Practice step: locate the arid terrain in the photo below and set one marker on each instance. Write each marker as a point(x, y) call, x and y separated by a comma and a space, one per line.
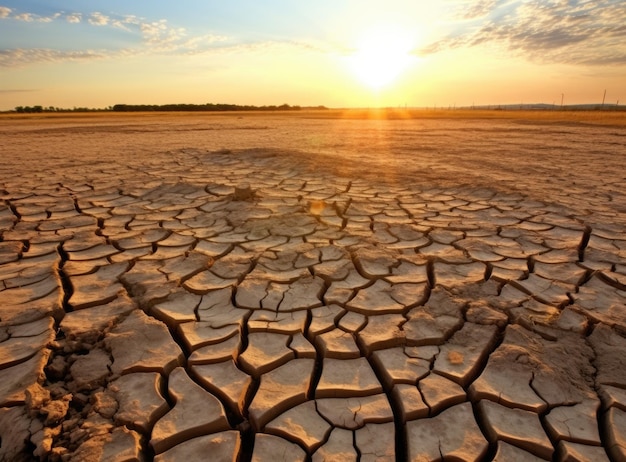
point(323, 286)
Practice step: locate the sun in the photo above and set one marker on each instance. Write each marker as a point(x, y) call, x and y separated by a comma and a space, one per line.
point(381, 56)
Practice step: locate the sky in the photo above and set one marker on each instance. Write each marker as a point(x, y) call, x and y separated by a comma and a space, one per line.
point(337, 53)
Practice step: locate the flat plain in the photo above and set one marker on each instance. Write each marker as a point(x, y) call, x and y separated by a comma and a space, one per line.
point(324, 285)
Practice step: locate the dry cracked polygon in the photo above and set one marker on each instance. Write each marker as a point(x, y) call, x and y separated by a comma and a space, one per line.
point(221, 446)
point(140, 400)
point(146, 283)
point(183, 267)
point(278, 322)
point(280, 390)
point(15, 429)
point(452, 275)
point(140, 239)
point(610, 351)
point(265, 351)
point(338, 446)
point(217, 352)
point(376, 299)
point(444, 253)
point(461, 357)
point(10, 251)
point(225, 380)
point(509, 269)
point(434, 322)
point(21, 342)
point(88, 325)
point(199, 334)
point(196, 412)
point(602, 302)
point(378, 332)
point(323, 319)
point(479, 250)
point(338, 344)
point(301, 424)
point(180, 306)
point(97, 288)
point(353, 322)
point(548, 291)
point(31, 310)
point(31, 292)
point(562, 238)
point(271, 448)
point(529, 372)
point(400, 365)
point(518, 427)
point(454, 433)
point(507, 452)
point(142, 344)
point(578, 423)
point(345, 378)
point(16, 379)
point(341, 291)
point(302, 294)
point(373, 262)
point(92, 253)
point(440, 393)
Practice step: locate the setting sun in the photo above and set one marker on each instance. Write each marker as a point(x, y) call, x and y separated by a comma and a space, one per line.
point(380, 57)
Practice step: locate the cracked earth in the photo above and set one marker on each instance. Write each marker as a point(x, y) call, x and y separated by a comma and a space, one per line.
point(265, 305)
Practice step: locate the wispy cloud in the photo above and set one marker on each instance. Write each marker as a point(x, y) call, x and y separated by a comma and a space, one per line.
point(98, 19)
point(20, 57)
point(17, 90)
point(8, 13)
point(555, 31)
point(154, 37)
point(74, 18)
point(477, 9)
point(26, 17)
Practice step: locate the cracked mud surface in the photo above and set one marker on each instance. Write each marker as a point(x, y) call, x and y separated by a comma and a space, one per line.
point(372, 290)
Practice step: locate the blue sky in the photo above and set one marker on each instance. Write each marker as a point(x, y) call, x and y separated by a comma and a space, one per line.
point(99, 53)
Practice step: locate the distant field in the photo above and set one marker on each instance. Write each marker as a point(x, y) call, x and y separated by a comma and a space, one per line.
point(617, 118)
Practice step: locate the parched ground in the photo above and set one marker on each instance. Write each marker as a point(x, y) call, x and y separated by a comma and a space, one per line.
point(306, 287)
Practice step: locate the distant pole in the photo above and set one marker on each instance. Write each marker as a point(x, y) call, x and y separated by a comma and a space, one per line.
point(603, 98)
point(562, 97)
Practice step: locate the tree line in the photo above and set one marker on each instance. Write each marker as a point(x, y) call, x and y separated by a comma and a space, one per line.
point(39, 109)
point(165, 107)
point(205, 107)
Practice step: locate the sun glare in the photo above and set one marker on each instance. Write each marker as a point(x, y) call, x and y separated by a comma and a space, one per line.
point(380, 57)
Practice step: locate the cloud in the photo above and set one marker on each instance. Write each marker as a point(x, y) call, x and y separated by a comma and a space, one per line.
point(74, 18)
point(554, 31)
point(26, 17)
point(19, 57)
point(98, 19)
point(5, 13)
point(154, 37)
point(478, 9)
